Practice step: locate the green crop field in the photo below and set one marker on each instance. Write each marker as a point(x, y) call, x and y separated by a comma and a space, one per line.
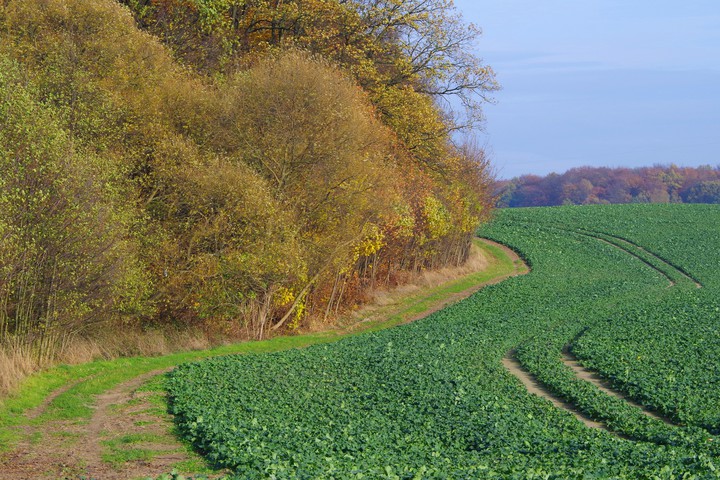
point(631, 291)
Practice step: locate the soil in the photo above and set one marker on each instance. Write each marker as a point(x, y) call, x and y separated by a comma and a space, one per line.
point(70, 450)
point(590, 376)
point(128, 420)
point(520, 269)
point(536, 388)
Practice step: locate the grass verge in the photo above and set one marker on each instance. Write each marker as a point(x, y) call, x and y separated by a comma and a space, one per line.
point(88, 380)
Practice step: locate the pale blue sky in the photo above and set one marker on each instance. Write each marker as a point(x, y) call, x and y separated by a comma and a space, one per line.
point(600, 82)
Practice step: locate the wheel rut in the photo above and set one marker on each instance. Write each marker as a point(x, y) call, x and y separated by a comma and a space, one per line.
point(667, 269)
point(628, 245)
point(671, 273)
point(533, 386)
point(603, 385)
point(125, 422)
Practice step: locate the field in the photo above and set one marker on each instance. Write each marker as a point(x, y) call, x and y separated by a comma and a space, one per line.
point(630, 291)
point(109, 420)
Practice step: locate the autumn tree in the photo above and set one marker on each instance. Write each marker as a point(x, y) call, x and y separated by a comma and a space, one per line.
point(411, 55)
point(658, 184)
point(310, 133)
point(302, 160)
point(704, 192)
point(234, 257)
point(68, 257)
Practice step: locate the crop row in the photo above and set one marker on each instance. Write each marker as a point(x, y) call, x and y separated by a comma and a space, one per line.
point(661, 348)
point(432, 400)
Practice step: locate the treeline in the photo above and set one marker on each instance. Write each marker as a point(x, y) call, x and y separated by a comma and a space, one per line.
point(232, 166)
point(591, 185)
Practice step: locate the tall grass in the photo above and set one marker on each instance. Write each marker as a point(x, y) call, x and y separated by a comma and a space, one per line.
point(18, 360)
point(15, 364)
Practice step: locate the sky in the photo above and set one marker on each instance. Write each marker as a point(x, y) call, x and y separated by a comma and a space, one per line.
point(599, 82)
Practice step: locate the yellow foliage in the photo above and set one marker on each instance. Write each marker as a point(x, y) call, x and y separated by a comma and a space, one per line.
point(437, 218)
point(372, 243)
point(283, 296)
point(232, 195)
point(417, 121)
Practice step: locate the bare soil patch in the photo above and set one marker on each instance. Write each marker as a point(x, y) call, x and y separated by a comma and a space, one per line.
point(126, 421)
point(130, 434)
point(536, 388)
point(588, 375)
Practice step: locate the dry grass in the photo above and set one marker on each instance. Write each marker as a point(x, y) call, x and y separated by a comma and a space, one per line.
point(409, 285)
point(476, 262)
point(15, 364)
point(18, 362)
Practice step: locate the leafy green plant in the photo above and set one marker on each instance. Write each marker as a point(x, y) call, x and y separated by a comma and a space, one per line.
point(431, 398)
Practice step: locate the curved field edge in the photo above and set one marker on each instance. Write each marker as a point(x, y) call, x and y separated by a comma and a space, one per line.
point(67, 392)
point(567, 400)
point(672, 308)
point(433, 396)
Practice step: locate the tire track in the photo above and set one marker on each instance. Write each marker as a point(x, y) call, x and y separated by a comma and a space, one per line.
point(42, 408)
point(627, 246)
point(604, 386)
point(630, 245)
point(533, 386)
point(582, 373)
point(72, 449)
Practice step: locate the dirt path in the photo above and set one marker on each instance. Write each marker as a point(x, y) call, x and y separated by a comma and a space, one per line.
point(520, 268)
point(40, 409)
point(124, 414)
point(536, 388)
point(604, 386)
point(533, 386)
point(130, 434)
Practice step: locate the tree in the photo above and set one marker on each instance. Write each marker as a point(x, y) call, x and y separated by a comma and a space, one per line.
point(390, 47)
point(311, 135)
point(578, 193)
point(240, 260)
point(428, 46)
point(704, 192)
point(659, 184)
point(301, 162)
point(68, 257)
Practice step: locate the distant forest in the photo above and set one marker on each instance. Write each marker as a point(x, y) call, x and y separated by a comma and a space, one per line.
point(592, 185)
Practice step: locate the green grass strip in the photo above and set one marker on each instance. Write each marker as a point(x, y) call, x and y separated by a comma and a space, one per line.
point(96, 377)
